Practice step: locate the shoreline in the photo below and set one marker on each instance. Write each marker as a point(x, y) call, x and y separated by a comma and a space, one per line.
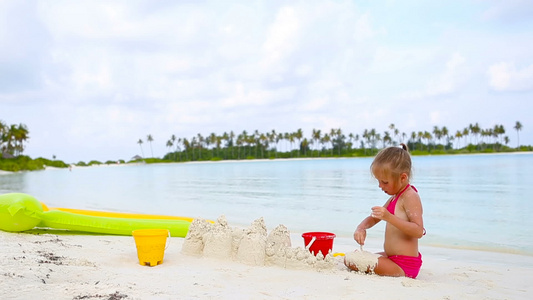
point(327, 158)
point(91, 267)
point(2, 172)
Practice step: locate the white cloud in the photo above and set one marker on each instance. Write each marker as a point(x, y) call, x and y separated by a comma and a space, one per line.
point(448, 81)
point(393, 59)
point(435, 117)
point(282, 36)
point(504, 76)
point(90, 78)
point(509, 10)
point(364, 29)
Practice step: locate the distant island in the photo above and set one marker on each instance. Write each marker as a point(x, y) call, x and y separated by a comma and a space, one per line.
point(272, 145)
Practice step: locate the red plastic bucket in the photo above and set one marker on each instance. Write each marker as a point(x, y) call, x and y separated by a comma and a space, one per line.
point(323, 242)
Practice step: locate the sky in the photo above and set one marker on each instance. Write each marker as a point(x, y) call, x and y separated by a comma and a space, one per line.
point(91, 78)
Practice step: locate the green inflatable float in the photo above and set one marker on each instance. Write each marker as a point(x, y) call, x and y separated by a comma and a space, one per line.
point(21, 212)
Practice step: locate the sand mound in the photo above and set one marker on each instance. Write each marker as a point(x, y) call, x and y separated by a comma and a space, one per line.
point(251, 246)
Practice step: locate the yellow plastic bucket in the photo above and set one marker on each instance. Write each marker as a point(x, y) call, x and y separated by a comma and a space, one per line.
point(151, 245)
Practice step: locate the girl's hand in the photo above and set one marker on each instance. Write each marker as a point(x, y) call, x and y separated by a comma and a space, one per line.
point(380, 212)
point(359, 236)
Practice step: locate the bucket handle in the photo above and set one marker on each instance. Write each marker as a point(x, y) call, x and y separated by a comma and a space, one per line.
point(310, 243)
point(168, 240)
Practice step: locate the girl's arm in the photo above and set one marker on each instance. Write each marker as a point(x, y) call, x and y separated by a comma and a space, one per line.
point(360, 233)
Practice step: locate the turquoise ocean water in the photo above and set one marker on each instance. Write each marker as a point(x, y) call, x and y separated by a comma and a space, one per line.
point(470, 201)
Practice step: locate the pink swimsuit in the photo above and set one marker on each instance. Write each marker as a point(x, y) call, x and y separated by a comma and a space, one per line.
point(410, 264)
point(392, 205)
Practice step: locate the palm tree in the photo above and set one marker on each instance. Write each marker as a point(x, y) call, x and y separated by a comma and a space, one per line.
point(305, 144)
point(291, 140)
point(187, 146)
point(327, 139)
point(270, 139)
point(279, 138)
point(316, 137)
point(200, 143)
point(173, 140)
point(458, 135)
point(242, 139)
point(3, 127)
point(397, 135)
point(475, 130)
point(150, 139)
point(445, 134)
point(466, 133)
point(10, 138)
point(332, 135)
point(350, 139)
point(212, 139)
point(3, 130)
point(286, 137)
point(428, 137)
point(225, 138)
point(377, 138)
point(218, 143)
point(273, 139)
point(178, 148)
point(193, 145)
point(263, 141)
point(499, 131)
point(251, 141)
point(231, 141)
point(437, 133)
point(169, 145)
point(518, 127)
point(140, 142)
point(386, 139)
point(298, 135)
point(392, 127)
point(256, 140)
point(239, 143)
point(374, 138)
point(484, 133)
point(17, 134)
point(340, 139)
point(413, 139)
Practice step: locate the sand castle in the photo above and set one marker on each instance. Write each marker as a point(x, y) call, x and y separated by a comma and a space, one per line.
point(252, 246)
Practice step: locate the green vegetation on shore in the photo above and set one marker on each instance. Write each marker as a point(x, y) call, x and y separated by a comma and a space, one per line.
point(274, 145)
point(335, 143)
point(25, 163)
point(251, 152)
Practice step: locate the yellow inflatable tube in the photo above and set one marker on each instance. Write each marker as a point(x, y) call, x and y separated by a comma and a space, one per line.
point(109, 214)
point(21, 212)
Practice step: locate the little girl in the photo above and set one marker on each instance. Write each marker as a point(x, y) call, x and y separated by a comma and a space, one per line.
point(402, 212)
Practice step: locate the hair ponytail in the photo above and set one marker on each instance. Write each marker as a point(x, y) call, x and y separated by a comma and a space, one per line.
point(404, 147)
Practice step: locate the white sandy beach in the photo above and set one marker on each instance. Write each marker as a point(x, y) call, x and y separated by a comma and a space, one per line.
point(47, 265)
point(53, 265)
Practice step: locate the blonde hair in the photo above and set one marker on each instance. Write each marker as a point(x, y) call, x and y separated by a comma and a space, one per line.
point(393, 161)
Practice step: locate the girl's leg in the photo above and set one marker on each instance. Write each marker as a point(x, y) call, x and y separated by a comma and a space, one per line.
point(387, 267)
